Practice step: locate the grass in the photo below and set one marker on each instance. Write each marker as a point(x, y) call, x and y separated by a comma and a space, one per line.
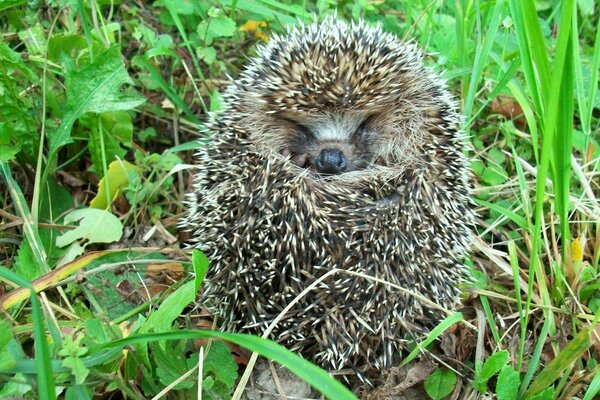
point(100, 103)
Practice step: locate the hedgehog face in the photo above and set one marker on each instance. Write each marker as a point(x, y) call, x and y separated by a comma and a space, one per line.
point(330, 144)
point(338, 100)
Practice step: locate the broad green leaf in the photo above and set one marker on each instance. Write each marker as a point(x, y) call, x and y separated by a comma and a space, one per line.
point(494, 175)
point(220, 363)
point(95, 88)
point(34, 39)
point(95, 226)
point(220, 26)
point(25, 264)
point(207, 54)
point(440, 383)
point(493, 365)
point(172, 362)
point(69, 44)
point(79, 371)
point(507, 386)
point(78, 392)
point(8, 152)
point(8, 55)
point(547, 394)
point(118, 179)
point(16, 388)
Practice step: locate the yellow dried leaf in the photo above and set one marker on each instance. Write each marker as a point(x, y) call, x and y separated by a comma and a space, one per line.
point(576, 250)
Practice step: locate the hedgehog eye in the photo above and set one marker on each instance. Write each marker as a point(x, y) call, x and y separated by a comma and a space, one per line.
point(304, 131)
point(363, 125)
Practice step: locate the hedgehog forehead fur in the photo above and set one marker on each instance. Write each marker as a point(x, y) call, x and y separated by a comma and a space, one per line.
point(396, 205)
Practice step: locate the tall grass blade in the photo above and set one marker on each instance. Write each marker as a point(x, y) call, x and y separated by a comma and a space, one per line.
point(44, 373)
point(310, 373)
point(29, 227)
point(572, 351)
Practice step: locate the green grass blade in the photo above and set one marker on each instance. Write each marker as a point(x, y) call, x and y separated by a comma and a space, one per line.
point(525, 53)
point(571, 352)
point(434, 334)
point(44, 373)
point(534, 361)
point(22, 209)
point(513, 216)
point(310, 373)
point(594, 387)
point(529, 115)
point(482, 56)
point(562, 149)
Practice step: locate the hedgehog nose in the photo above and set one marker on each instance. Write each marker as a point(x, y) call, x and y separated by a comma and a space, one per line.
point(331, 161)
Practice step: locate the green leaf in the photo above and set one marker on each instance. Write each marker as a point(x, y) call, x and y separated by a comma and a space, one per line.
point(207, 54)
point(593, 388)
point(78, 392)
point(69, 44)
point(497, 156)
point(34, 39)
point(25, 264)
point(162, 319)
point(95, 226)
point(507, 386)
point(490, 368)
point(494, 175)
point(220, 363)
point(586, 7)
point(547, 394)
point(8, 153)
point(200, 263)
point(112, 141)
point(95, 88)
point(220, 26)
point(155, 79)
point(43, 366)
point(7, 362)
point(440, 383)
point(171, 364)
point(16, 388)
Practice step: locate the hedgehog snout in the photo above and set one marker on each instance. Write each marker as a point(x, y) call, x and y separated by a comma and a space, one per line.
point(331, 161)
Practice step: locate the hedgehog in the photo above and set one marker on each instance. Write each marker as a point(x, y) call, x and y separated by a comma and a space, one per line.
point(336, 147)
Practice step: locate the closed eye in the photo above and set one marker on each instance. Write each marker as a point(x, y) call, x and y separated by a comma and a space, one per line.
point(362, 128)
point(303, 130)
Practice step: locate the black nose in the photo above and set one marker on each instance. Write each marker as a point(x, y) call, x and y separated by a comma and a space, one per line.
point(331, 161)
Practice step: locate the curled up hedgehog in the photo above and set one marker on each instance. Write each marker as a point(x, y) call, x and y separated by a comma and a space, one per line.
point(335, 148)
